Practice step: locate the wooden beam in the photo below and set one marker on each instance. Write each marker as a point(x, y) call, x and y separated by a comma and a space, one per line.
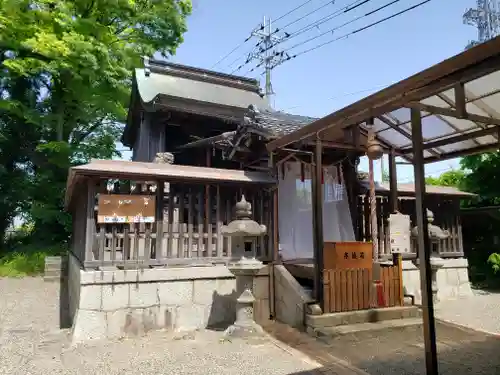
point(400, 130)
point(456, 139)
point(393, 183)
point(424, 247)
point(461, 153)
point(460, 100)
point(453, 113)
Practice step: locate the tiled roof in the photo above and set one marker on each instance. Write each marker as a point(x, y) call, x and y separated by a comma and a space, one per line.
point(409, 189)
point(275, 123)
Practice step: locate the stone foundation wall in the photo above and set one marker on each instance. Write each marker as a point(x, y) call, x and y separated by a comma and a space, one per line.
point(291, 298)
point(452, 280)
point(116, 303)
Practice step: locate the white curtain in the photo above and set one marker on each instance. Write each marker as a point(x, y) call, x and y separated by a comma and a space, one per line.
point(295, 211)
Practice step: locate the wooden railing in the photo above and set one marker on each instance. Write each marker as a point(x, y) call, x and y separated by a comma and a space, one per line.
point(186, 231)
point(446, 216)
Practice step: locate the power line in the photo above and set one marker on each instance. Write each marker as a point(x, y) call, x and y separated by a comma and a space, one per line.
point(344, 24)
point(349, 8)
point(234, 49)
point(261, 50)
point(328, 3)
point(345, 9)
point(345, 36)
point(293, 10)
point(231, 52)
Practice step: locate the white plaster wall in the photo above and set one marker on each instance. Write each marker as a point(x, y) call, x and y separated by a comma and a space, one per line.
point(116, 303)
point(452, 280)
point(291, 298)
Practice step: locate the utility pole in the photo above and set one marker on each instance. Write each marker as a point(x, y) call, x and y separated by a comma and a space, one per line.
point(486, 18)
point(265, 52)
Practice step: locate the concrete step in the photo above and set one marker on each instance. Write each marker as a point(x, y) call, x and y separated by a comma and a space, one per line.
point(55, 266)
point(351, 329)
point(362, 316)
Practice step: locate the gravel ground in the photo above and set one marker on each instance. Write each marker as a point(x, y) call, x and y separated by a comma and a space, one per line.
point(480, 312)
point(32, 343)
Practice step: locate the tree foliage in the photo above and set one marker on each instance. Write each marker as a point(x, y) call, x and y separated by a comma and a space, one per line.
point(454, 178)
point(483, 177)
point(65, 81)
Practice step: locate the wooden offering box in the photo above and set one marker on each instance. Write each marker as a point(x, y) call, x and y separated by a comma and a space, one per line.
point(347, 255)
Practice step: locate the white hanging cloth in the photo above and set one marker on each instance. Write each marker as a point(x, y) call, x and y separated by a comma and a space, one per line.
point(295, 210)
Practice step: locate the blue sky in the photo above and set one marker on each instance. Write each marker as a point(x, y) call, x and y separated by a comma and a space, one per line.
point(331, 77)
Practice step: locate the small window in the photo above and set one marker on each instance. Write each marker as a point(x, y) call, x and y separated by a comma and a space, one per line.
point(248, 247)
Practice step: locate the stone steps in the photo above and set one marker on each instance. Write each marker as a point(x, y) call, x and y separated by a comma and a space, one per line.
point(357, 322)
point(362, 316)
point(351, 329)
point(55, 268)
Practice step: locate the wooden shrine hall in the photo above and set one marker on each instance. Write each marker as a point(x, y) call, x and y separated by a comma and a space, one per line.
point(202, 139)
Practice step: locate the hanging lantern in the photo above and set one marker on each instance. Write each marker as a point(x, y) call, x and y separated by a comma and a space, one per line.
point(373, 148)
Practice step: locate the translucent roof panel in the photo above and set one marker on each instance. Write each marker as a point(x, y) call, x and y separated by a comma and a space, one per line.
point(458, 100)
point(482, 99)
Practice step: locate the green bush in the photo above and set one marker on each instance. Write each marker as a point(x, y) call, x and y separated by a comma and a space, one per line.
point(27, 260)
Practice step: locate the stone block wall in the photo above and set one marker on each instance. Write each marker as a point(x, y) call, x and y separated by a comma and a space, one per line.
point(452, 280)
point(291, 298)
point(116, 303)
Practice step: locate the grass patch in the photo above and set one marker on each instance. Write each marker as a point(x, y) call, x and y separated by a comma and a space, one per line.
point(27, 260)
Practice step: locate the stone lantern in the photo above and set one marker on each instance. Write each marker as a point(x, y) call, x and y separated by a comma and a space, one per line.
point(436, 234)
point(243, 231)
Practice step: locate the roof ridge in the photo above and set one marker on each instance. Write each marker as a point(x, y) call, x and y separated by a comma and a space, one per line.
point(200, 74)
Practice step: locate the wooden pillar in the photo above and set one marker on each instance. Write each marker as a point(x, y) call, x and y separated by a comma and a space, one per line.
point(393, 183)
point(90, 229)
point(160, 194)
point(317, 213)
point(373, 200)
point(208, 206)
point(424, 246)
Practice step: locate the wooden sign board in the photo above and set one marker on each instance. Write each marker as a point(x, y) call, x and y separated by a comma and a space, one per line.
point(123, 208)
point(347, 255)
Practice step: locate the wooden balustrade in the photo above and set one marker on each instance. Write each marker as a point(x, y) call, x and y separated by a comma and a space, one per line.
point(446, 216)
point(186, 230)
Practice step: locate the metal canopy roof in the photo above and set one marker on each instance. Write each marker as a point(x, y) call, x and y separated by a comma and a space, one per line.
point(459, 100)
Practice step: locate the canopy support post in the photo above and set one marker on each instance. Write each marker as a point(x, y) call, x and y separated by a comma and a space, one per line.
point(424, 246)
point(317, 213)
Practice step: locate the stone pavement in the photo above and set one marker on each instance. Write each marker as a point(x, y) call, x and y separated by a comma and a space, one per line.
point(398, 351)
point(480, 312)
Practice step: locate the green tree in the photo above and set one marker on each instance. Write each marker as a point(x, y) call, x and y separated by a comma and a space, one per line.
point(64, 89)
point(453, 178)
point(483, 177)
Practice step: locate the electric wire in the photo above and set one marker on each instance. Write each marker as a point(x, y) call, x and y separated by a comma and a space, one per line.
point(282, 54)
point(345, 9)
point(292, 10)
point(231, 52)
point(345, 36)
point(330, 2)
point(344, 24)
